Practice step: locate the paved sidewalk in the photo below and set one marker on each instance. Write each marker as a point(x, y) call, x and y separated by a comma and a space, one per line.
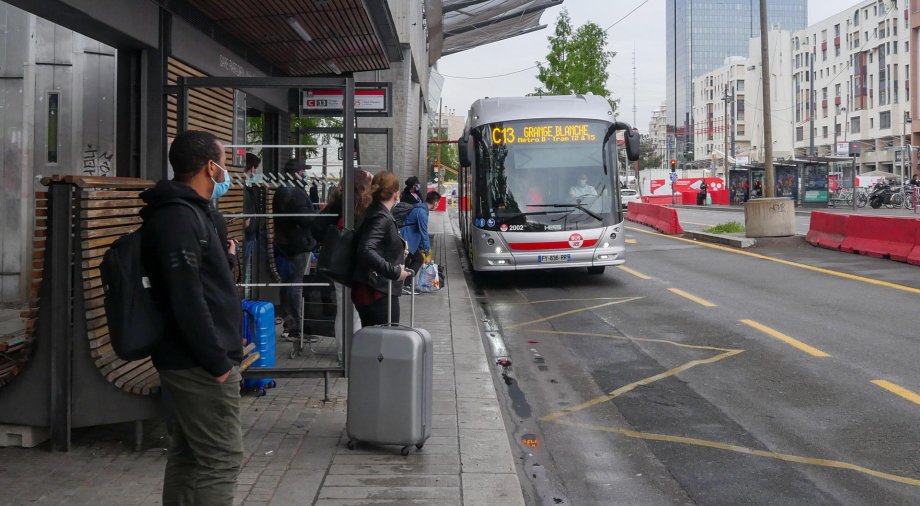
point(295, 442)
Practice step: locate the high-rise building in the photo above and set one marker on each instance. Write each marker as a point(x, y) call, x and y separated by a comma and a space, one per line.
point(857, 64)
point(700, 35)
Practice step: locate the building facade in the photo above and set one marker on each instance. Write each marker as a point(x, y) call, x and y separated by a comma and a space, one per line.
point(700, 35)
point(729, 101)
point(857, 65)
point(658, 133)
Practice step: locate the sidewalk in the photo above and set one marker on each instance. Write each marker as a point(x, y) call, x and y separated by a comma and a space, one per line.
point(295, 442)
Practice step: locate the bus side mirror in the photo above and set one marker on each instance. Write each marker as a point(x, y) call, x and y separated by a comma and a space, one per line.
point(632, 144)
point(463, 151)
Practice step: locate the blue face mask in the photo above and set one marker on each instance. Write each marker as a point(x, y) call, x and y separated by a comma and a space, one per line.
point(220, 188)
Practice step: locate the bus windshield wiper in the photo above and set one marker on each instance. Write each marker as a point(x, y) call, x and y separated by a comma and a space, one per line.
point(532, 213)
point(575, 206)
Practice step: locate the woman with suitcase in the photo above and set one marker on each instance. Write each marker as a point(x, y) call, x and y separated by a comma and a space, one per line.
point(379, 256)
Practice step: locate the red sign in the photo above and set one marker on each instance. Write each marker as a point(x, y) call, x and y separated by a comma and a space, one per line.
point(661, 186)
point(324, 100)
point(576, 240)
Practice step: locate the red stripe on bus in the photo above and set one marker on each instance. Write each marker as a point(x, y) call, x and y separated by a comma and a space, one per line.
point(534, 246)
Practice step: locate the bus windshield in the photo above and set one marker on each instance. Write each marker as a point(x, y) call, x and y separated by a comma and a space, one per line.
point(545, 175)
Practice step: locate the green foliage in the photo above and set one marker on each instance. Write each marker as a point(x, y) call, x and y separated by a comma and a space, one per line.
point(732, 227)
point(648, 156)
point(577, 61)
point(255, 130)
point(449, 155)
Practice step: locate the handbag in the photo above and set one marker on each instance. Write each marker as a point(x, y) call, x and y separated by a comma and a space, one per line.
point(337, 255)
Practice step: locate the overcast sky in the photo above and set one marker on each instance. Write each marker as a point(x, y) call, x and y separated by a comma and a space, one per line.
point(643, 32)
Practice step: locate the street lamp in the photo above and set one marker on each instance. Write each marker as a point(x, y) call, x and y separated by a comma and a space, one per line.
point(904, 134)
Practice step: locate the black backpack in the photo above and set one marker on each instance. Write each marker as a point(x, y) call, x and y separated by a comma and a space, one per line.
point(336, 259)
point(136, 324)
point(400, 212)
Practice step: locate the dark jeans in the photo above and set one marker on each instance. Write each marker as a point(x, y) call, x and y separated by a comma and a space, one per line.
point(376, 312)
point(292, 296)
point(205, 437)
point(413, 263)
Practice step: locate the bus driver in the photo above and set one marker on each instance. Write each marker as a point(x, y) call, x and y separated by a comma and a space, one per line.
point(582, 189)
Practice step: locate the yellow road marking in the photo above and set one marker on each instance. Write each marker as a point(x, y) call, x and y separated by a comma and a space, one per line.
point(631, 241)
point(633, 272)
point(748, 451)
point(790, 263)
point(629, 338)
point(898, 390)
point(694, 298)
point(632, 386)
point(786, 339)
point(574, 311)
point(561, 300)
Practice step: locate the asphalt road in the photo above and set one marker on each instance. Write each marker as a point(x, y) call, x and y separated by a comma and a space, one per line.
point(701, 376)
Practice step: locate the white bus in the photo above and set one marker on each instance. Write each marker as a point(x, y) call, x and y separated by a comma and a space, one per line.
point(539, 185)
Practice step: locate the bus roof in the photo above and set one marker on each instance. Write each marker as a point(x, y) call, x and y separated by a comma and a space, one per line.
point(492, 110)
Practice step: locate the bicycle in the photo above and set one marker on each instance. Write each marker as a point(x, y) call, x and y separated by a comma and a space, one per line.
point(862, 197)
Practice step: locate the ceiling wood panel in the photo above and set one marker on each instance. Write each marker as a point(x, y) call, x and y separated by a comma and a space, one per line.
point(341, 30)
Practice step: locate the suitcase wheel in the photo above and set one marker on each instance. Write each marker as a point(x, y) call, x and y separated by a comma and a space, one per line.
point(351, 444)
point(272, 384)
point(260, 392)
point(404, 451)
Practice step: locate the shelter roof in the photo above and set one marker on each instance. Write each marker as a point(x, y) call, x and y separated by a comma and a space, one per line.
point(471, 23)
point(310, 37)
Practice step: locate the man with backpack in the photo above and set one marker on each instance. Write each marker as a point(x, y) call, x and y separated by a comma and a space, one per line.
point(413, 227)
point(189, 267)
point(293, 243)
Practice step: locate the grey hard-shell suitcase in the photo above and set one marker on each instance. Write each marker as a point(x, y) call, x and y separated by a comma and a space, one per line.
point(389, 385)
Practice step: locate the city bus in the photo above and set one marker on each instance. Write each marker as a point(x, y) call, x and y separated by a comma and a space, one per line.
point(539, 184)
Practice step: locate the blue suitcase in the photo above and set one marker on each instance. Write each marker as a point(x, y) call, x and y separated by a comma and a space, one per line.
point(259, 328)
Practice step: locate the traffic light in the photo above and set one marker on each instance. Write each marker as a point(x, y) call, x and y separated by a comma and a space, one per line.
point(673, 165)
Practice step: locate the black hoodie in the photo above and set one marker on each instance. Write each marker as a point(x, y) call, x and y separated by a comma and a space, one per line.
point(192, 281)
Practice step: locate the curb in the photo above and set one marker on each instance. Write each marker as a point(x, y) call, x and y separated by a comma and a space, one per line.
point(724, 239)
point(723, 209)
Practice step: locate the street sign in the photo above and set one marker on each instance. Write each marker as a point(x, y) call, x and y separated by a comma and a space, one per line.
point(843, 148)
point(366, 99)
point(673, 177)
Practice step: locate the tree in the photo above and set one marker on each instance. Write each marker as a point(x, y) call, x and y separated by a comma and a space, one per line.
point(449, 155)
point(577, 61)
point(649, 158)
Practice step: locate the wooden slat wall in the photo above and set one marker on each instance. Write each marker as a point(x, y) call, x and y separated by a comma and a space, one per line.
point(211, 110)
point(106, 215)
point(15, 348)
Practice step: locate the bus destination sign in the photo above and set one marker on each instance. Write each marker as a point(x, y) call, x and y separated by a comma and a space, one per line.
point(543, 134)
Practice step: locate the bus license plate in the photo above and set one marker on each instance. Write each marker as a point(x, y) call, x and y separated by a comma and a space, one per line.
point(550, 259)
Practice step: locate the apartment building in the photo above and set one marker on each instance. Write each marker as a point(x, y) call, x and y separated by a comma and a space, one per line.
point(857, 65)
point(658, 133)
point(728, 100)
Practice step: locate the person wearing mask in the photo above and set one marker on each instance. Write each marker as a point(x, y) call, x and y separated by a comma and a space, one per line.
point(379, 255)
point(410, 194)
point(293, 243)
point(252, 204)
point(189, 262)
point(415, 232)
point(333, 215)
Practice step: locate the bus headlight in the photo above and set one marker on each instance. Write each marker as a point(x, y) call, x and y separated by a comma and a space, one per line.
point(490, 242)
point(498, 250)
point(606, 244)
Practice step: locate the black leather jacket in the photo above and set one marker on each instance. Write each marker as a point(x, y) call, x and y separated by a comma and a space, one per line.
point(380, 252)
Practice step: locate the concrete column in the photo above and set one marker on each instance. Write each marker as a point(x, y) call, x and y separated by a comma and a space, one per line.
point(769, 217)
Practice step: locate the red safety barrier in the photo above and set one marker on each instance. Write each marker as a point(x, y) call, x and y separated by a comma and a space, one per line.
point(661, 218)
point(827, 229)
point(659, 199)
point(879, 236)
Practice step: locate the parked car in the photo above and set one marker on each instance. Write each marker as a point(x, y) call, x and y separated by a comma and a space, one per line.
point(628, 195)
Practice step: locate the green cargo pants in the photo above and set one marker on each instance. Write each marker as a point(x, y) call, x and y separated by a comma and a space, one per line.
point(205, 437)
